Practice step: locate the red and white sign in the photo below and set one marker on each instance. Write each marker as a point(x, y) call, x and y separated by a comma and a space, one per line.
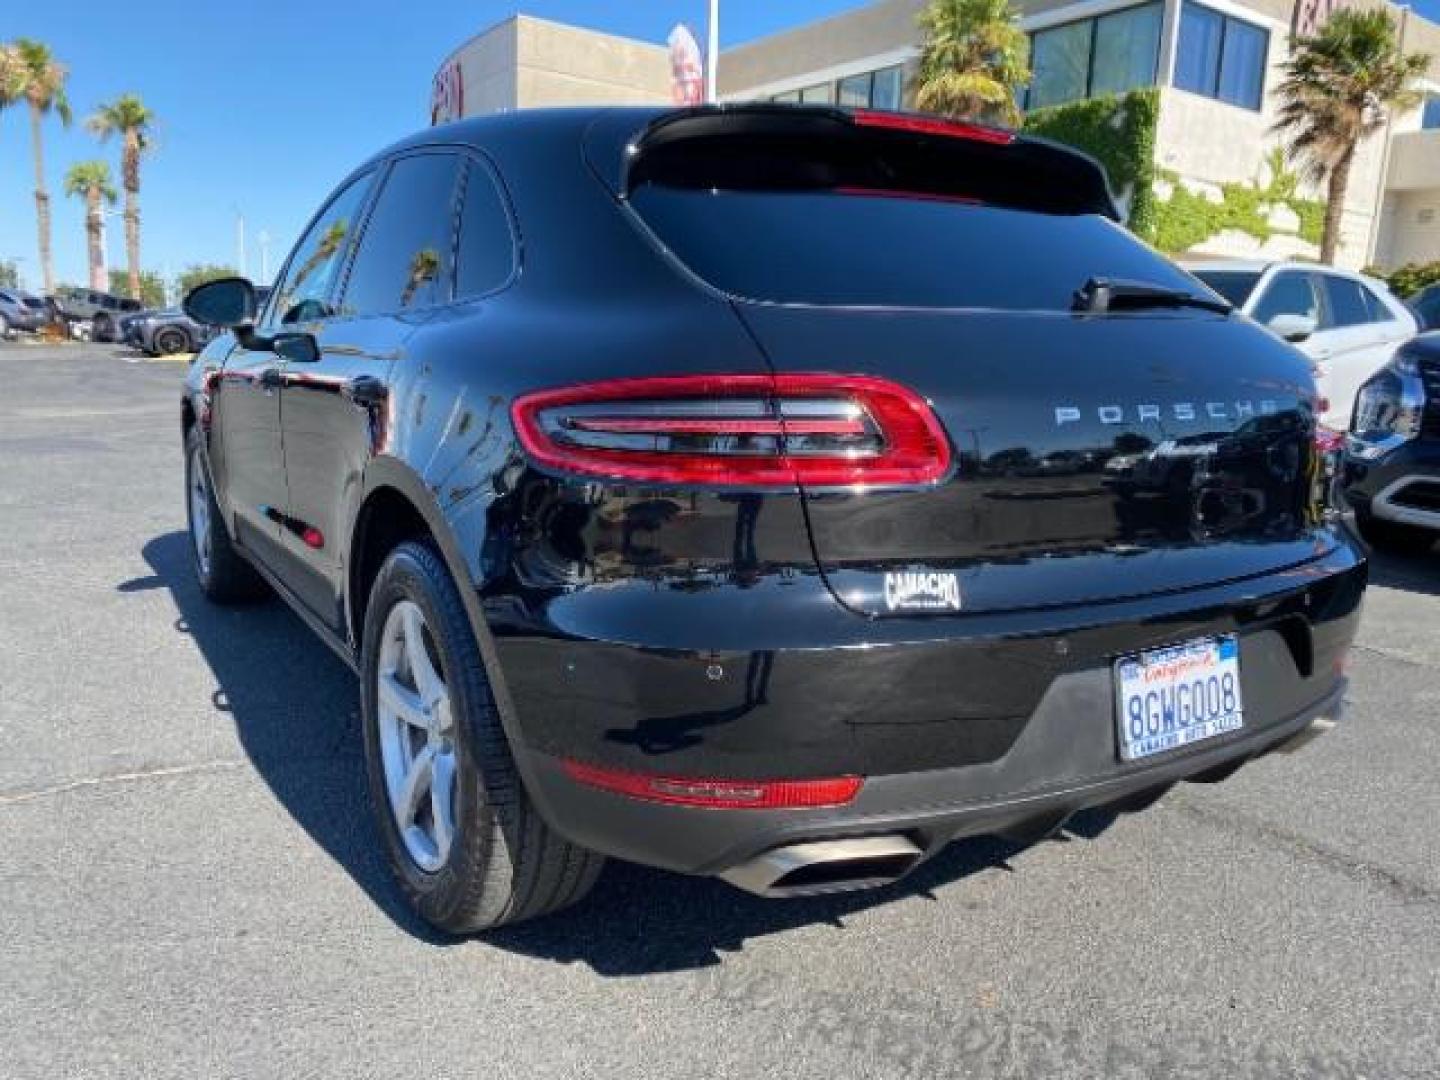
point(687, 69)
point(1312, 15)
point(447, 94)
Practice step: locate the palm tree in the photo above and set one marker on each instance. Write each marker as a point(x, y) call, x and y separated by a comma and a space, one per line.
point(42, 84)
point(90, 180)
point(973, 63)
point(128, 117)
point(10, 81)
point(1338, 89)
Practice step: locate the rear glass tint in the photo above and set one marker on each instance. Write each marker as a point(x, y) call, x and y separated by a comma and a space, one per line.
point(867, 248)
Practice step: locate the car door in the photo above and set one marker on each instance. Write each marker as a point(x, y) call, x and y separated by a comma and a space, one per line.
point(246, 460)
point(1362, 334)
point(246, 401)
point(334, 411)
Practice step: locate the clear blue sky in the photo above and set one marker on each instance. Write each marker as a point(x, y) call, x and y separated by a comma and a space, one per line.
point(264, 104)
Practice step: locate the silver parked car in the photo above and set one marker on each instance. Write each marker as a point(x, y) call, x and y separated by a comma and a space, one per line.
point(1348, 324)
point(21, 311)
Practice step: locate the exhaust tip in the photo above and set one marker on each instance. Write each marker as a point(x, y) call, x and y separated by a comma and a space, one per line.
point(826, 866)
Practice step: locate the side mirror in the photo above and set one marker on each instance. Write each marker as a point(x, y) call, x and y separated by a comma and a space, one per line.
point(226, 302)
point(296, 348)
point(1293, 327)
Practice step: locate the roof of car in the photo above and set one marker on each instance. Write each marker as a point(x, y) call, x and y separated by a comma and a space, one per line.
point(1252, 266)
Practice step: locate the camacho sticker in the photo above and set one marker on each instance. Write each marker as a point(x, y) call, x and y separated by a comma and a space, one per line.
point(921, 591)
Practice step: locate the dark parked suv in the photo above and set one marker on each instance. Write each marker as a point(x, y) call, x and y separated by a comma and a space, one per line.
point(103, 310)
point(765, 492)
point(1391, 470)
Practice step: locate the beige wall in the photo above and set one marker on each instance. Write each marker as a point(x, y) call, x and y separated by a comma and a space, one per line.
point(565, 65)
point(817, 47)
point(530, 63)
point(1414, 161)
point(487, 69)
point(1411, 231)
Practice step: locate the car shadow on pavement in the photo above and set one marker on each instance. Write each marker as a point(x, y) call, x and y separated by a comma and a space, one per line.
point(1409, 573)
point(295, 707)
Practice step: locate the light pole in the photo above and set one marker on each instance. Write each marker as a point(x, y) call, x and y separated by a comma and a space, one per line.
point(712, 51)
point(106, 215)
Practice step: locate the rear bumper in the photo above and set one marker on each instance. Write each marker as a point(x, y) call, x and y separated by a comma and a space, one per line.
point(927, 809)
point(959, 725)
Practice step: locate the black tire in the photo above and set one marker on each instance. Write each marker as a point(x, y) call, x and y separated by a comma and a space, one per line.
point(170, 340)
point(1393, 537)
point(4, 326)
point(102, 328)
point(222, 572)
point(505, 864)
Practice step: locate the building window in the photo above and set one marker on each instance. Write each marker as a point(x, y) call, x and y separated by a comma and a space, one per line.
point(888, 90)
point(1105, 55)
point(883, 89)
point(1430, 118)
point(1221, 57)
point(855, 90)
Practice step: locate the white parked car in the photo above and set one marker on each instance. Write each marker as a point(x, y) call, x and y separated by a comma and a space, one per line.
point(1348, 324)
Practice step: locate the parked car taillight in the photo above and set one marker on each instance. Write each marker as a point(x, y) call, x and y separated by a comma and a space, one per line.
point(753, 431)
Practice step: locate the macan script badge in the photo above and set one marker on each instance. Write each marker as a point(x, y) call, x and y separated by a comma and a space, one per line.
point(907, 590)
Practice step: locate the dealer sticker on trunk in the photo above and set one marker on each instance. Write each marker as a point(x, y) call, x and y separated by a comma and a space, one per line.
point(907, 590)
point(1176, 696)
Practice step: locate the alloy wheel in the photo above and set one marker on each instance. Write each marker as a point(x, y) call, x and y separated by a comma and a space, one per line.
point(199, 512)
point(416, 736)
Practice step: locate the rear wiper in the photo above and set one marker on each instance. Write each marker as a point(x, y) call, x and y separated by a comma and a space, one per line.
point(1099, 295)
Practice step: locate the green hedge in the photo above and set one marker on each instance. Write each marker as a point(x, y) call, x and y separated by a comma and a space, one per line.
point(1185, 219)
point(1409, 279)
point(1119, 132)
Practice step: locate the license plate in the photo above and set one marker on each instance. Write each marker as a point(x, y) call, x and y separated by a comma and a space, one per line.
point(1172, 697)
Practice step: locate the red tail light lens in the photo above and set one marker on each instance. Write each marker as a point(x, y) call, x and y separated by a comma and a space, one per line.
point(718, 794)
point(933, 125)
point(752, 431)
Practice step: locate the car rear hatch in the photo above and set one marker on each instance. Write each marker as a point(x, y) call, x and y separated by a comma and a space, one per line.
point(1105, 442)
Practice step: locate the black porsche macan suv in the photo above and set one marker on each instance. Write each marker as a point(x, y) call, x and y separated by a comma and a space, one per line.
point(766, 492)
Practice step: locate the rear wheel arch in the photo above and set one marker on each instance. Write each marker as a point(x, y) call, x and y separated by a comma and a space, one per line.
point(393, 492)
point(396, 505)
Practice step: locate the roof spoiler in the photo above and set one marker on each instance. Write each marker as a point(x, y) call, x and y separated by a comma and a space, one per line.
point(1041, 174)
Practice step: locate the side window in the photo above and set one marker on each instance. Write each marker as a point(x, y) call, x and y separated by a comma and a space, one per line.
point(1379, 310)
point(406, 255)
point(1346, 302)
point(487, 247)
point(309, 281)
point(1288, 294)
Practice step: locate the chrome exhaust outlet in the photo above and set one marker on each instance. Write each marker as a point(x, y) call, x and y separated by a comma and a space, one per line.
point(826, 866)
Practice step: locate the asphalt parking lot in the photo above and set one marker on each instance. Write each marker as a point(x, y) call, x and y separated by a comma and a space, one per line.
point(188, 886)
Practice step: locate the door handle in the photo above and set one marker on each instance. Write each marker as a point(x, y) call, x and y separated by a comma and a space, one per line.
point(271, 380)
point(366, 390)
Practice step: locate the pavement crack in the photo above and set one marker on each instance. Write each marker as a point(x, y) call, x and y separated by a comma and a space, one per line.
point(8, 798)
point(1397, 884)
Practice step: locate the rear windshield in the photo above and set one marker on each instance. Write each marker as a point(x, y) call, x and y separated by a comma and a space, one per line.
point(1234, 285)
point(869, 247)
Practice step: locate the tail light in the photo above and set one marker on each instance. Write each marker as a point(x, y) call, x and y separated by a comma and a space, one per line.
point(718, 794)
point(752, 431)
point(932, 125)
